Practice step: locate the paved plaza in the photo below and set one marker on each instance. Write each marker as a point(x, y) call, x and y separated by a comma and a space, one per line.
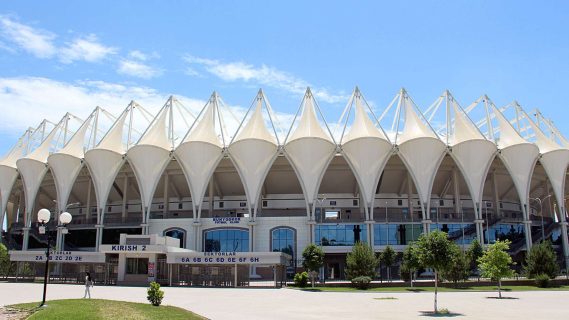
point(219, 303)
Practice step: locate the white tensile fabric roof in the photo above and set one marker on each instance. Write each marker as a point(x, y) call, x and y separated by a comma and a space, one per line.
point(33, 168)
point(67, 163)
point(470, 149)
point(9, 173)
point(518, 155)
point(200, 151)
point(364, 141)
point(150, 156)
point(309, 149)
point(555, 160)
point(420, 149)
point(253, 151)
point(106, 159)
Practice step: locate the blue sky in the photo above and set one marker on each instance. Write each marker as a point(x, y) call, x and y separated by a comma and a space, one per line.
point(62, 56)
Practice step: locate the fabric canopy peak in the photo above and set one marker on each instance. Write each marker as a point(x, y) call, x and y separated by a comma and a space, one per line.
point(309, 148)
point(202, 148)
point(254, 149)
point(364, 141)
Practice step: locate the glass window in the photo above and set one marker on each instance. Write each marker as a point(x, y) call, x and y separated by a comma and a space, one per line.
point(283, 240)
point(136, 265)
point(226, 240)
point(396, 234)
point(504, 231)
point(456, 231)
point(178, 234)
point(340, 234)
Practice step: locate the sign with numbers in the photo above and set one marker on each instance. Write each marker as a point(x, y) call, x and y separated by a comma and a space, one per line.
point(58, 256)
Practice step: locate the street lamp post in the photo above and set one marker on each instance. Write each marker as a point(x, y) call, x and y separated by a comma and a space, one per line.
point(538, 200)
point(43, 218)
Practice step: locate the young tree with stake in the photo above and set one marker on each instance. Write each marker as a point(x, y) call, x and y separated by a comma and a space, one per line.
point(495, 263)
point(434, 251)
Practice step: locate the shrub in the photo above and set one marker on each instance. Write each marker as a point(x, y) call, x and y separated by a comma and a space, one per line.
point(458, 268)
point(155, 295)
point(542, 281)
point(541, 259)
point(362, 282)
point(301, 279)
point(360, 262)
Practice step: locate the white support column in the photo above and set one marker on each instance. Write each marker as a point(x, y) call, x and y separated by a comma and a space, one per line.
point(166, 196)
point(210, 197)
point(480, 231)
point(124, 198)
point(26, 238)
point(88, 203)
point(99, 226)
point(496, 195)
point(527, 226)
point(21, 206)
point(371, 236)
point(456, 189)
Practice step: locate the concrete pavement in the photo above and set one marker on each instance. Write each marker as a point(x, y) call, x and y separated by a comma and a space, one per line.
point(221, 303)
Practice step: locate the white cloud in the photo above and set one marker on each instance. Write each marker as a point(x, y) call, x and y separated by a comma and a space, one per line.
point(35, 41)
point(264, 75)
point(139, 55)
point(27, 101)
point(137, 69)
point(85, 48)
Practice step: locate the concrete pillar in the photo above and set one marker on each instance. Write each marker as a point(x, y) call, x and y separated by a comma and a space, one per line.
point(479, 223)
point(210, 199)
point(496, 195)
point(456, 185)
point(166, 196)
point(88, 204)
point(370, 236)
point(311, 224)
point(124, 198)
point(527, 226)
point(26, 238)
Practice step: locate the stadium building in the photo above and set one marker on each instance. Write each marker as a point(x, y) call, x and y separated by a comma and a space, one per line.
point(184, 200)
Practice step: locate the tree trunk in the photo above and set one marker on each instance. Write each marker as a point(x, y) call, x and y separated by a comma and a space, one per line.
point(411, 277)
point(312, 278)
point(436, 289)
point(500, 288)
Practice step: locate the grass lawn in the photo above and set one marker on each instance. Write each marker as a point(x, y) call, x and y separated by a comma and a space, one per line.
point(102, 309)
point(431, 289)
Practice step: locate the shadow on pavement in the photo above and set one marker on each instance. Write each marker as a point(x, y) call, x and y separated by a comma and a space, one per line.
point(440, 314)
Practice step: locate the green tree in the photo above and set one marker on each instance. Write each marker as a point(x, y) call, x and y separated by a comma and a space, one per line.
point(434, 251)
point(475, 251)
point(5, 263)
point(541, 259)
point(495, 263)
point(410, 263)
point(313, 259)
point(154, 294)
point(388, 258)
point(458, 268)
point(361, 262)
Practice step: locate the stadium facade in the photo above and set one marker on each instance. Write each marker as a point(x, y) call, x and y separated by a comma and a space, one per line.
point(233, 206)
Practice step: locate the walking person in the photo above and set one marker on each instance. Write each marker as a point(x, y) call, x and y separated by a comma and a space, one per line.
point(88, 284)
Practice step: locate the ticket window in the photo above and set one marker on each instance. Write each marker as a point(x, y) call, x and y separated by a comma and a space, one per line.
point(137, 266)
